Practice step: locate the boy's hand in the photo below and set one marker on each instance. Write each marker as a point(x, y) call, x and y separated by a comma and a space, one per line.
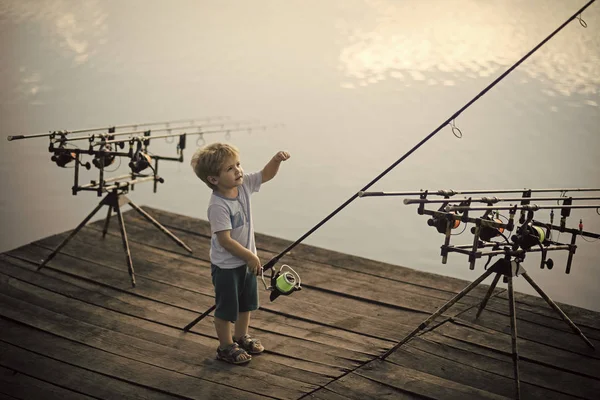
point(254, 265)
point(281, 156)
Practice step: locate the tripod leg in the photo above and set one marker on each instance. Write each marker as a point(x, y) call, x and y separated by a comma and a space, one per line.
point(513, 335)
point(105, 230)
point(73, 233)
point(439, 312)
point(125, 243)
point(557, 309)
point(159, 226)
point(488, 294)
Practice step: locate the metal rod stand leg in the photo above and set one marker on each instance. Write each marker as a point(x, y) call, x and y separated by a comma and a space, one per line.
point(105, 230)
point(439, 312)
point(558, 310)
point(159, 226)
point(513, 335)
point(125, 243)
point(488, 294)
point(73, 233)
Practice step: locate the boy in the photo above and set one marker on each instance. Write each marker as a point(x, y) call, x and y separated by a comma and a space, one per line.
point(234, 263)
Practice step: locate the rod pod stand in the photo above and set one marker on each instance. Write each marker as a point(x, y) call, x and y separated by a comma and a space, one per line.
point(507, 268)
point(115, 200)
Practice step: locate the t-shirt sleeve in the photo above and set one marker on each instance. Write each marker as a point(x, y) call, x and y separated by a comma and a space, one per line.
point(253, 181)
point(219, 218)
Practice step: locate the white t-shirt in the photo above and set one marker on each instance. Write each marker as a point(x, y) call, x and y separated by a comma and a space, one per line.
point(235, 215)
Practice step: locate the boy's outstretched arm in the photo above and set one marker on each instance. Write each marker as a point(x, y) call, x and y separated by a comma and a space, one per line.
point(270, 170)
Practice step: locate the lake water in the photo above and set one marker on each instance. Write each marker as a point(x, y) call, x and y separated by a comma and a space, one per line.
point(356, 83)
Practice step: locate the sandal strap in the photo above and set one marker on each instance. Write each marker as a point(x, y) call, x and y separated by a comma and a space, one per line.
point(248, 340)
point(233, 351)
point(253, 346)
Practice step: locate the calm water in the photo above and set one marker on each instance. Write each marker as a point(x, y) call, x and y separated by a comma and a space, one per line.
point(356, 83)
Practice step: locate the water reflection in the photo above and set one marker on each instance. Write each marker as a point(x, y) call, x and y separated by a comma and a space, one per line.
point(73, 30)
point(409, 41)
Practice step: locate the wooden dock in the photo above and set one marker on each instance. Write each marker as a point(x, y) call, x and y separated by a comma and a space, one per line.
point(77, 329)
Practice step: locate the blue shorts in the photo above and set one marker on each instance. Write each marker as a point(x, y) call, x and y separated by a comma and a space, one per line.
point(235, 291)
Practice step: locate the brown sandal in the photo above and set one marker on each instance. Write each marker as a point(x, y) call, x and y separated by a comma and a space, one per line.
point(251, 345)
point(232, 354)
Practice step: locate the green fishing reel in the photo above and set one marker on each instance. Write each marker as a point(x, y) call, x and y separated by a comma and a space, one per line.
point(282, 282)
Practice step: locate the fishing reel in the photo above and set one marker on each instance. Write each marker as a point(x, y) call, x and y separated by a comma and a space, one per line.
point(139, 160)
point(62, 157)
point(103, 160)
point(441, 223)
point(530, 235)
point(104, 157)
point(282, 282)
point(486, 232)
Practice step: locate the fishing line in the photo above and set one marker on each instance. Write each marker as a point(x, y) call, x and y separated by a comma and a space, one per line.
point(271, 263)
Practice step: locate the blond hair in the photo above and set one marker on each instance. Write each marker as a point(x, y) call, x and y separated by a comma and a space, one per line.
point(209, 160)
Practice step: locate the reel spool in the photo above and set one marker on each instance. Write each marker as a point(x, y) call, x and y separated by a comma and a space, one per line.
point(62, 159)
point(440, 223)
point(487, 233)
point(529, 236)
point(282, 282)
point(103, 161)
point(139, 161)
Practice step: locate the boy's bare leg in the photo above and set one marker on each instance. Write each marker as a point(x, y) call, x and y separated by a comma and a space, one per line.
point(223, 328)
point(241, 325)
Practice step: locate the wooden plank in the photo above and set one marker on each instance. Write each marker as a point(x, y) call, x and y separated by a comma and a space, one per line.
point(420, 383)
point(467, 369)
point(21, 386)
point(326, 394)
point(175, 221)
point(31, 369)
point(533, 332)
point(531, 314)
point(171, 318)
point(320, 255)
point(323, 276)
point(155, 333)
point(580, 316)
point(356, 387)
point(501, 364)
point(124, 323)
point(536, 352)
point(314, 306)
point(150, 353)
point(113, 365)
point(312, 351)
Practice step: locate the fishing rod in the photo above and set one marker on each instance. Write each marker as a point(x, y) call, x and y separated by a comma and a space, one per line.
point(450, 193)
point(65, 132)
point(526, 207)
point(271, 263)
point(145, 137)
point(168, 129)
point(494, 200)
